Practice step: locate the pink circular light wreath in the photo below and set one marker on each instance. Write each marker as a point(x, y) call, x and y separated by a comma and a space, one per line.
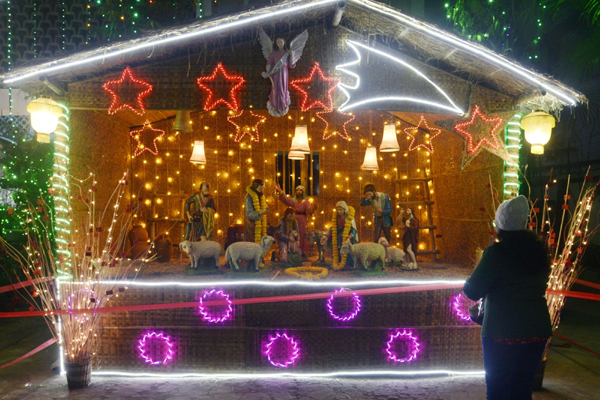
point(349, 316)
point(162, 341)
point(459, 303)
point(215, 295)
point(282, 350)
point(411, 343)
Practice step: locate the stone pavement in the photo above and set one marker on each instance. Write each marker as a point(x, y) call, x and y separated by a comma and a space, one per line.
point(446, 388)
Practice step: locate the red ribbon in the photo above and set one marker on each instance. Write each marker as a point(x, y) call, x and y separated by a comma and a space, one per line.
point(578, 295)
point(20, 285)
point(586, 283)
point(254, 300)
point(575, 343)
point(273, 299)
point(32, 352)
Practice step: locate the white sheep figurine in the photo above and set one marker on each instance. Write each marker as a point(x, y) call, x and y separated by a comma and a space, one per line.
point(198, 250)
point(393, 255)
point(248, 251)
point(364, 252)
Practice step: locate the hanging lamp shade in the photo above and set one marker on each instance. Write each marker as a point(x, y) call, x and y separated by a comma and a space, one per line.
point(538, 129)
point(370, 163)
point(300, 140)
point(389, 143)
point(182, 122)
point(198, 156)
point(295, 155)
point(44, 117)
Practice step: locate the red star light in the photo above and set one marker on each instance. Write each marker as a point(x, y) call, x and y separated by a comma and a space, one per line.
point(427, 146)
point(308, 82)
point(140, 148)
point(243, 129)
point(482, 135)
point(220, 78)
point(128, 81)
point(337, 118)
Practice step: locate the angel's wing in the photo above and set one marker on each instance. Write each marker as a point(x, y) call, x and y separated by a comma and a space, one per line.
point(265, 42)
point(297, 45)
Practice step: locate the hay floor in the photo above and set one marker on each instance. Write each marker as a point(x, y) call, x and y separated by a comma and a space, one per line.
point(176, 269)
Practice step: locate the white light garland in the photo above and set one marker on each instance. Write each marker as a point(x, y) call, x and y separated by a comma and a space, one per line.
point(268, 14)
point(289, 283)
point(467, 46)
point(344, 88)
point(290, 374)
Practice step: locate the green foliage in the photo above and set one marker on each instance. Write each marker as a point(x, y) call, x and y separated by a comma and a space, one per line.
point(123, 18)
point(511, 26)
point(27, 169)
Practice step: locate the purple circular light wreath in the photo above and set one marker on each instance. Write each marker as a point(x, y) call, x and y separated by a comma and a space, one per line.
point(293, 350)
point(155, 336)
point(347, 317)
point(212, 317)
point(413, 346)
point(456, 306)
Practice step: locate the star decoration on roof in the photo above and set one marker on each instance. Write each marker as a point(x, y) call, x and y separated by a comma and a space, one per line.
point(247, 125)
point(334, 119)
point(136, 135)
point(219, 80)
point(481, 131)
point(415, 132)
point(126, 84)
point(315, 81)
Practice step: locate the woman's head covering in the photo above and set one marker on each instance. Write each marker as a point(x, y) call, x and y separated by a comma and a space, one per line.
point(343, 205)
point(512, 215)
point(288, 211)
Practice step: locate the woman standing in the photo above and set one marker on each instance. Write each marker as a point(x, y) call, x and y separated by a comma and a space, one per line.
point(512, 275)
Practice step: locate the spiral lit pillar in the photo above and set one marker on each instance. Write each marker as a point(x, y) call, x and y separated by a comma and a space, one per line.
point(512, 137)
point(60, 187)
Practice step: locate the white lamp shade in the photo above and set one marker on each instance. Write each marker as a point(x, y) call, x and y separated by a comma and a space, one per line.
point(198, 156)
point(538, 129)
point(44, 115)
point(300, 140)
point(389, 143)
point(370, 163)
point(295, 155)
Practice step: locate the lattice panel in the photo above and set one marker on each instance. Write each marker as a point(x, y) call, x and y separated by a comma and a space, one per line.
point(9, 125)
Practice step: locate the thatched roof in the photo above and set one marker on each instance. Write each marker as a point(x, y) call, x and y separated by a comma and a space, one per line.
point(417, 39)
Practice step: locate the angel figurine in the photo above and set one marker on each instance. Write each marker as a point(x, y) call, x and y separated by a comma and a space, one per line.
point(278, 62)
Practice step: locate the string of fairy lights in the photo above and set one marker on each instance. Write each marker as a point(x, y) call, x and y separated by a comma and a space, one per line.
point(502, 17)
point(233, 165)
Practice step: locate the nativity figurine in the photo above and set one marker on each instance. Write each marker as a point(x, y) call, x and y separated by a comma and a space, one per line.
point(201, 221)
point(278, 63)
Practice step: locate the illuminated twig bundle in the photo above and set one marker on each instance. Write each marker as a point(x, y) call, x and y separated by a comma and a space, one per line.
point(98, 270)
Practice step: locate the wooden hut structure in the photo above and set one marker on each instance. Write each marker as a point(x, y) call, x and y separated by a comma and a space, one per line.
point(455, 106)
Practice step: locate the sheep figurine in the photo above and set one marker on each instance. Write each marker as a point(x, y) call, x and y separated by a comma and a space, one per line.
point(393, 255)
point(198, 250)
point(364, 252)
point(248, 251)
